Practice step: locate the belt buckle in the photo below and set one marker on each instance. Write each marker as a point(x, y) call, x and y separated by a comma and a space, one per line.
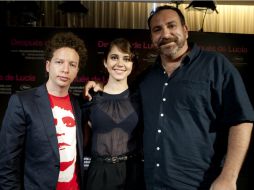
point(124, 158)
point(114, 159)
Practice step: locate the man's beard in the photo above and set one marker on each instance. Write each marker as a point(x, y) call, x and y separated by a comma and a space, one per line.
point(172, 50)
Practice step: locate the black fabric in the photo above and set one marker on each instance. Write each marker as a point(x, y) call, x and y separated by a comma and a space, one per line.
point(187, 117)
point(116, 123)
point(117, 129)
point(126, 175)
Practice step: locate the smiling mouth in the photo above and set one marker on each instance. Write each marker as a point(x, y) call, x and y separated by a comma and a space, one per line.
point(167, 41)
point(119, 70)
point(167, 44)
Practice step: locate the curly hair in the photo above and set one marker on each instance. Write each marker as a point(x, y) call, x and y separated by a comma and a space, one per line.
point(66, 39)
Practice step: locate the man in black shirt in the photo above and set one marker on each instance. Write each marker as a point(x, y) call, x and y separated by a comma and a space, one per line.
point(197, 114)
point(200, 100)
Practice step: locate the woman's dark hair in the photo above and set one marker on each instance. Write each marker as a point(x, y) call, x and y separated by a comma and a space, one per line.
point(124, 45)
point(166, 7)
point(66, 39)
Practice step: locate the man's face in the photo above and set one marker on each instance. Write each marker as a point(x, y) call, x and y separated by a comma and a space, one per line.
point(168, 35)
point(62, 68)
point(66, 135)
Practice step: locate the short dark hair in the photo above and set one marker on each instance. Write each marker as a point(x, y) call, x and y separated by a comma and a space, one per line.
point(66, 39)
point(166, 7)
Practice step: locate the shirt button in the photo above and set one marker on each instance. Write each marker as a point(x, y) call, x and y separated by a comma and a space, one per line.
point(162, 114)
point(166, 84)
point(163, 99)
point(159, 131)
point(157, 165)
point(158, 148)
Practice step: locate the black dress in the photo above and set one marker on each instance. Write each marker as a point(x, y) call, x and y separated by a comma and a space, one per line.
point(116, 151)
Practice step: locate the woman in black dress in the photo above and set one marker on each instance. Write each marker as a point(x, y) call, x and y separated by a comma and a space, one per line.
point(115, 118)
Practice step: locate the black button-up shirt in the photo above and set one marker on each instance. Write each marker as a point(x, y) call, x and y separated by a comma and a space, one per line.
point(186, 118)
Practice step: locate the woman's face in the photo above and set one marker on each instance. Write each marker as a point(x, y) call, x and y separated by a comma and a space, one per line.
point(118, 64)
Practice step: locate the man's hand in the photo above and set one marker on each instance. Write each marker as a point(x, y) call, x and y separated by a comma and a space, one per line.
point(96, 86)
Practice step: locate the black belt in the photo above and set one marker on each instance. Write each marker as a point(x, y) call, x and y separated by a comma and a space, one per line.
point(114, 159)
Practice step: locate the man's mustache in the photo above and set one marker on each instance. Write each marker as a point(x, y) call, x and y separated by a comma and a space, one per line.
point(167, 40)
